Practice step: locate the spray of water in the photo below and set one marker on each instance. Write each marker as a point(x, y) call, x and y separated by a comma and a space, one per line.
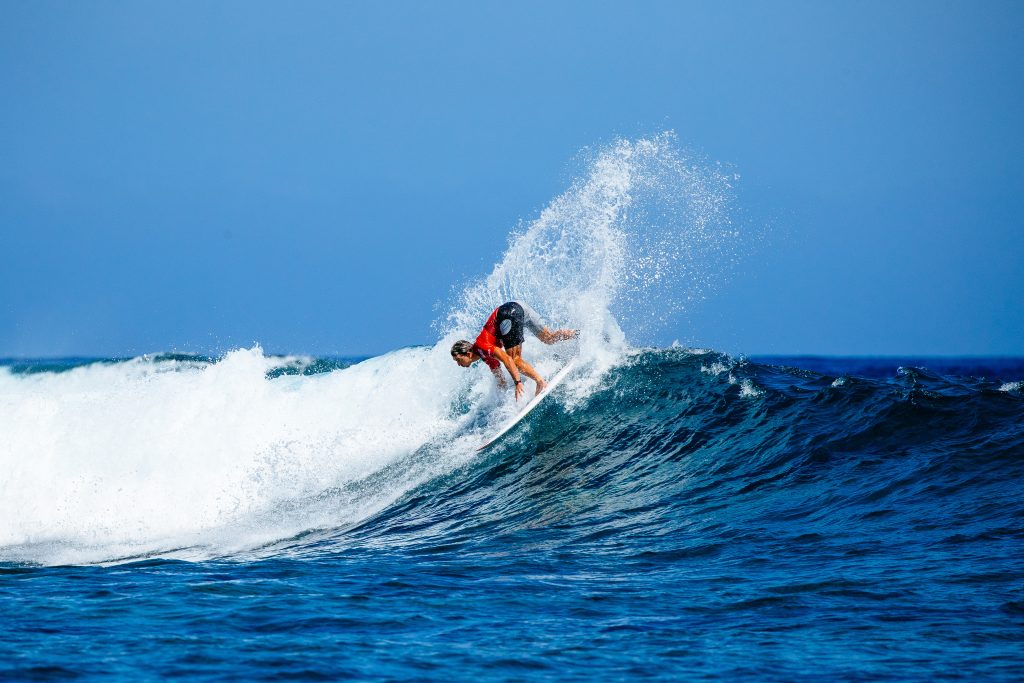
point(644, 232)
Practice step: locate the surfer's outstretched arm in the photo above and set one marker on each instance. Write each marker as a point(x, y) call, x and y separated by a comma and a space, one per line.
point(512, 370)
point(528, 370)
point(516, 354)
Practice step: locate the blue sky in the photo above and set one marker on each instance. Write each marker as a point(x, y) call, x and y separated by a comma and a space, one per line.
point(199, 176)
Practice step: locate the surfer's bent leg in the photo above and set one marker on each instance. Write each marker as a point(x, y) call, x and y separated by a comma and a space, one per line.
point(531, 320)
point(534, 323)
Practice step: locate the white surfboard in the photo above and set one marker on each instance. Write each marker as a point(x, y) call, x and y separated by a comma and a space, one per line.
point(552, 383)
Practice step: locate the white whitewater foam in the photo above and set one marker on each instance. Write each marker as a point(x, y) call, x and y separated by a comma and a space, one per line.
point(747, 387)
point(135, 457)
point(750, 390)
point(714, 369)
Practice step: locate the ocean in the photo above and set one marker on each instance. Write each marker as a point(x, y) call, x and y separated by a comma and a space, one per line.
point(690, 516)
point(668, 513)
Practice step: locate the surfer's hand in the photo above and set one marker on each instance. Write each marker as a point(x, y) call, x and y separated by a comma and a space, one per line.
point(541, 386)
point(519, 390)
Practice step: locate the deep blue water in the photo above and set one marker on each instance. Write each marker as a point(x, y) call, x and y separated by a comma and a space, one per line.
point(696, 517)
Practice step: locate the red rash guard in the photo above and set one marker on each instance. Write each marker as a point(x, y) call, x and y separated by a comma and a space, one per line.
point(488, 340)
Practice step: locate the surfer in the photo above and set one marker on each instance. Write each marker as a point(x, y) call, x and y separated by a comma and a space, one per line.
point(501, 343)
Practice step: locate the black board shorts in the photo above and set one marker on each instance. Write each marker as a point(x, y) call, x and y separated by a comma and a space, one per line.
point(512, 318)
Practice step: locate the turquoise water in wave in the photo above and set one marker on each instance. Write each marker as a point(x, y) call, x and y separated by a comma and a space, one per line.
point(679, 514)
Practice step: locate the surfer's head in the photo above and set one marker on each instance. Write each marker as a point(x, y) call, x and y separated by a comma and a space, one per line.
point(462, 353)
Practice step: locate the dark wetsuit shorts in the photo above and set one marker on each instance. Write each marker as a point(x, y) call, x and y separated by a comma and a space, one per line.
point(512, 317)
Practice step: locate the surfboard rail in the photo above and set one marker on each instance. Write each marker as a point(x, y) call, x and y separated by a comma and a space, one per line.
point(528, 408)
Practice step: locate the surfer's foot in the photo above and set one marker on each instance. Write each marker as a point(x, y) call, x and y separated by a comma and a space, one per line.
point(541, 386)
